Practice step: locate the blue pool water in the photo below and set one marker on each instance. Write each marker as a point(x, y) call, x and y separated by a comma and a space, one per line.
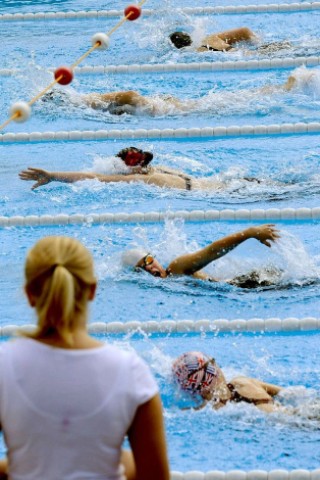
point(287, 170)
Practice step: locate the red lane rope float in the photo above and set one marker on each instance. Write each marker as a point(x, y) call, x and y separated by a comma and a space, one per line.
point(134, 12)
point(21, 111)
point(63, 75)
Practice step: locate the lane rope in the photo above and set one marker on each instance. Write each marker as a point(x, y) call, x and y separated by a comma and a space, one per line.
point(251, 325)
point(219, 9)
point(228, 215)
point(166, 133)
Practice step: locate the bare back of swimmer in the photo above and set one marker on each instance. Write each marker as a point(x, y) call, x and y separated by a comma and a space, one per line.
point(131, 102)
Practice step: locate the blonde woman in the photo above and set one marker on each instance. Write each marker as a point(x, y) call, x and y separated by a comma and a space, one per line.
point(67, 400)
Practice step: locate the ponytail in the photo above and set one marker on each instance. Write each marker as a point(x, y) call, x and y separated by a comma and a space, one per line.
point(59, 273)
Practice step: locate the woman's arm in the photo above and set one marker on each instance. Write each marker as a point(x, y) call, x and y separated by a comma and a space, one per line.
point(148, 443)
point(4, 469)
point(42, 177)
point(191, 263)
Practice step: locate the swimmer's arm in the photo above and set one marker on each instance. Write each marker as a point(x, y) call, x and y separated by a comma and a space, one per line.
point(42, 177)
point(270, 388)
point(193, 262)
point(213, 41)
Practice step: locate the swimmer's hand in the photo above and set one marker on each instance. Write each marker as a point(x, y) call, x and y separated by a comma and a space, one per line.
point(41, 177)
point(264, 233)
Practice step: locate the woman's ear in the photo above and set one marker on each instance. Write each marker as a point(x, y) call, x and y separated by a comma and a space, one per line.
point(92, 291)
point(30, 297)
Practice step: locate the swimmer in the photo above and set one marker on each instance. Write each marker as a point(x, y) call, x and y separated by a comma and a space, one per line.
point(131, 102)
point(139, 170)
point(199, 374)
point(191, 264)
point(217, 42)
point(225, 41)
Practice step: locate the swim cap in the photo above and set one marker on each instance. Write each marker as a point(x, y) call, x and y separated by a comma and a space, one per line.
point(195, 372)
point(180, 39)
point(130, 258)
point(133, 157)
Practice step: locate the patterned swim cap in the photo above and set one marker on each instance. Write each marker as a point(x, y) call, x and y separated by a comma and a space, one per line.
point(196, 372)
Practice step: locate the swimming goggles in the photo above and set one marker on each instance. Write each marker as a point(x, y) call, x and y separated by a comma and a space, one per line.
point(205, 367)
point(209, 372)
point(146, 260)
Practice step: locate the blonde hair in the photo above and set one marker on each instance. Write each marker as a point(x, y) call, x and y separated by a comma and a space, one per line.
point(58, 275)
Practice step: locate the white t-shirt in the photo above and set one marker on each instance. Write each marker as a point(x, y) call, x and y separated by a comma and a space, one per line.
point(65, 413)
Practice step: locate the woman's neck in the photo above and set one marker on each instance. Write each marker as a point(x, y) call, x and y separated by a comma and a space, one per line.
point(80, 340)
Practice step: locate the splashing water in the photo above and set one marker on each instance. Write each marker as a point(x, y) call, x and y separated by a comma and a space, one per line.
point(293, 259)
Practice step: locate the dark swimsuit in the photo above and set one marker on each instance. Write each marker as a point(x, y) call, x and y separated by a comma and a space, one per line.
point(211, 48)
point(236, 397)
point(186, 178)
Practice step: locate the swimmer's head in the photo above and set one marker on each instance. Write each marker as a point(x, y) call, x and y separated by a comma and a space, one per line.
point(134, 157)
point(196, 373)
point(115, 109)
point(141, 260)
point(130, 258)
point(180, 39)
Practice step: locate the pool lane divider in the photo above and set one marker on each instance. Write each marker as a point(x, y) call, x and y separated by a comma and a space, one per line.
point(219, 9)
point(165, 134)
point(251, 325)
point(226, 215)
point(264, 64)
point(279, 474)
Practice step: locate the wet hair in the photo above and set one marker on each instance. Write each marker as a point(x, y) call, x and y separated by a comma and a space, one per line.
point(58, 277)
point(180, 39)
point(133, 157)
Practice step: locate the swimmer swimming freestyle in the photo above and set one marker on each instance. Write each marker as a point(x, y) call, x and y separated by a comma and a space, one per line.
point(131, 102)
point(217, 42)
point(192, 264)
point(199, 374)
point(226, 41)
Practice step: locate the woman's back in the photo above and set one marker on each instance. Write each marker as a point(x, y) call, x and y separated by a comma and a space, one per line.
point(65, 412)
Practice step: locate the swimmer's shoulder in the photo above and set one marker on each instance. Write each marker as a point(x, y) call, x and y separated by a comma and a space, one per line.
point(250, 389)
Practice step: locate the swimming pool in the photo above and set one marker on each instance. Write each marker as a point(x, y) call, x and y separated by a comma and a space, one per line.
point(285, 165)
